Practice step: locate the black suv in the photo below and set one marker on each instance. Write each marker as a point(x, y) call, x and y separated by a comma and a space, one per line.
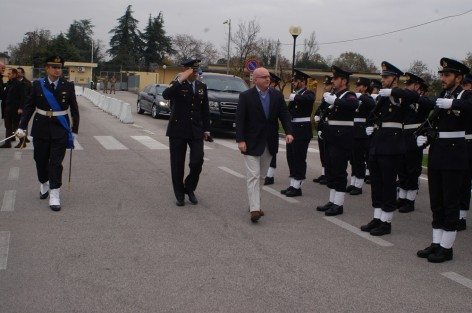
point(223, 96)
point(150, 100)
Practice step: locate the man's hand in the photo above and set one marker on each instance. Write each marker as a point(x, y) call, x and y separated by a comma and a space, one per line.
point(385, 92)
point(242, 146)
point(20, 133)
point(444, 103)
point(421, 140)
point(329, 98)
point(185, 74)
point(369, 130)
point(319, 134)
point(289, 139)
point(20, 111)
point(207, 137)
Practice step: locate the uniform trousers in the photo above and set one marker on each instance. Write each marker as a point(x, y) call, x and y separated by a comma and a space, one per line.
point(360, 154)
point(336, 161)
point(321, 147)
point(383, 175)
point(49, 154)
point(466, 186)
point(256, 169)
point(410, 169)
point(178, 150)
point(444, 196)
point(296, 158)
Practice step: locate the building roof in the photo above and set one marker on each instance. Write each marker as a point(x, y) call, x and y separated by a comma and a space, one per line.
point(84, 64)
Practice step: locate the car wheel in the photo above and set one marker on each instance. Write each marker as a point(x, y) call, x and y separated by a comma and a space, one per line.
point(155, 111)
point(139, 109)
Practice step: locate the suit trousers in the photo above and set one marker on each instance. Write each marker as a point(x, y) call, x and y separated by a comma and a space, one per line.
point(444, 196)
point(383, 174)
point(360, 155)
point(49, 154)
point(336, 161)
point(273, 162)
point(256, 170)
point(410, 169)
point(12, 119)
point(296, 158)
point(178, 150)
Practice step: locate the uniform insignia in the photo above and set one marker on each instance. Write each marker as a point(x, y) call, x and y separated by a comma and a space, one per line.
point(57, 60)
point(384, 67)
point(444, 63)
point(184, 90)
point(200, 91)
point(456, 112)
point(407, 77)
point(390, 109)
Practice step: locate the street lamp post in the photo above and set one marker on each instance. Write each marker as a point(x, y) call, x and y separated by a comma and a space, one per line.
point(295, 31)
point(228, 21)
point(164, 78)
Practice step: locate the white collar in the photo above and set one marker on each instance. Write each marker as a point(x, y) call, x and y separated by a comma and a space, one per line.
point(55, 82)
point(262, 93)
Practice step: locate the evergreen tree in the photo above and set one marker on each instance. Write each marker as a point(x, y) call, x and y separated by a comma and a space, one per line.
point(126, 45)
point(33, 50)
point(79, 36)
point(157, 44)
point(60, 45)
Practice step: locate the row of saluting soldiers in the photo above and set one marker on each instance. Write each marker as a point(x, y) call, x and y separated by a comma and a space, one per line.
point(382, 130)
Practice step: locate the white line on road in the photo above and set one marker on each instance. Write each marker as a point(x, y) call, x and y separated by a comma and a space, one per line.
point(206, 159)
point(207, 147)
point(312, 150)
point(8, 203)
point(150, 142)
point(110, 143)
point(14, 173)
point(4, 246)
point(148, 131)
point(464, 281)
point(77, 145)
point(358, 232)
point(18, 155)
point(423, 178)
point(278, 194)
point(230, 171)
point(137, 126)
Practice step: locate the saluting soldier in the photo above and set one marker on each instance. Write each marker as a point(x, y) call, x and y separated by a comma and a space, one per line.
point(189, 125)
point(360, 149)
point(269, 179)
point(300, 108)
point(339, 136)
point(416, 110)
point(386, 148)
point(319, 113)
point(447, 159)
point(50, 99)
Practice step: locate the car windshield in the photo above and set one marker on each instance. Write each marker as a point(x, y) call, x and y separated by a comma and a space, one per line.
point(224, 83)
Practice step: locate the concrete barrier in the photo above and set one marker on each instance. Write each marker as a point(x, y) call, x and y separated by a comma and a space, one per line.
point(112, 106)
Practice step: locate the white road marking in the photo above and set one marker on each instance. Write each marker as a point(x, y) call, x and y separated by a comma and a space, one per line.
point(464, 281)
point(77, 145)
point(137, 126)
point(110, 143)
point(206, 159)
point(232, 145)
point(358, 232)
point(14, 173)
point(150, 142)
point(423, 177)
point(8, 204)
point(205, 147)
point(311, 150)
point(148, 131)
point(18, 155)
point(4, 246)
point(230, 171)
point(278, 194)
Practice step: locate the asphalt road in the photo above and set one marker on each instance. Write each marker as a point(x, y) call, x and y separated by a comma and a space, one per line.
point(121, 245)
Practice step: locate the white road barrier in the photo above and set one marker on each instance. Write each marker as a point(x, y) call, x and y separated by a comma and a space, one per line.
point(115, 107)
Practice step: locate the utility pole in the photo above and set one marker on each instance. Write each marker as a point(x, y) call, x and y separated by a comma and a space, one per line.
point(277, 55)
point(228, 21)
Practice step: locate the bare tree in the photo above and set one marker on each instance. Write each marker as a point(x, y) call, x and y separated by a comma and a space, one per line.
point(468, 60)
point(188, 47)
point(267, 51)
point(245, 42)
point(420, 69)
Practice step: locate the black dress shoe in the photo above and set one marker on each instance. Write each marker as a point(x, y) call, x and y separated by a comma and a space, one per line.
point(55, 208)
point(256, 215)
point(334, 210)
point(462, 225)
point(191, 197)
point(408, 206)
point(400, 202)
point(269, 181)
point(284, 191)
point(367, 179)
point(371, 225)
point(356, 191)
point(440, 255)
point(43, 196)
point(323, 181)
point(428, 250)
point(349, 188)
point(326, 207)
point(383, 229)
point(294, 192)
point(318, 179)
point(6, 145)
point(180, 202)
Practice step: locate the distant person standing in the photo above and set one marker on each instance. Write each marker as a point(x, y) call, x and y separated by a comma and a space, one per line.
point(269, 180)
point(112, 84)
point(2, 86)
point(105, 84)
point(27, 90)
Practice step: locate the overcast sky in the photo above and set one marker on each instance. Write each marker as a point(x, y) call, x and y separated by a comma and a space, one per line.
point(332, 20)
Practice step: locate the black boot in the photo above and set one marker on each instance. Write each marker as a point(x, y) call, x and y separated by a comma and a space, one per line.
point(408, 206)
point(462, 225)
point(318, 179)
point(400, 202)
point(384, 228)
point(440, 255)
point(356, 191)
point(294, 192)
point(427, 251)
point(284, 191)
point(326, 207)
point(349, 188)
point(371, 225)
point(269, 180)
point(334, 210)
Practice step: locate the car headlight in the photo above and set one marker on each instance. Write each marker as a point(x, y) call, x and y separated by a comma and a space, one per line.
point(163, 104)
point(214, 106)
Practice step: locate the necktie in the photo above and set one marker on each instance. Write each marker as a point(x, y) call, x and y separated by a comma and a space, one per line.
point(53, 86)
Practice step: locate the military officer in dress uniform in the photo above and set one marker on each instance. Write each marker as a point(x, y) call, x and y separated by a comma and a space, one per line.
point(269, 179)
point(50, 99)
point(447, 159)
point(375, 86)
point(338, 134)
point(300, 108)
point(416, 110)
point(386, 148)
point(319, 113)
point(360, 149)
point(189, 125)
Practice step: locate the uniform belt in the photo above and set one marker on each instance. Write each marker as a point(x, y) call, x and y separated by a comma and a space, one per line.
point(359, 120)
point(451, 134)
point(392, 125)
point(341, 123)
point(468, 136)
point(411, 126)
point(51, 113)
point(301, 119)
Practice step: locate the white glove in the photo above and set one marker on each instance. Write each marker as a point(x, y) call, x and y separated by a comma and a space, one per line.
point(329, 98)
point(369, 130)
point(326, 93)
point(319, 134)
point(292, 96)
point(385, 92)
point(358, 94)
point(444, 103)
point(421, 140)
point(317, 118)
point(20, 133)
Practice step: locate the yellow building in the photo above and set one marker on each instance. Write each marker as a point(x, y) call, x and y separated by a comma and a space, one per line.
point(80, 72)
